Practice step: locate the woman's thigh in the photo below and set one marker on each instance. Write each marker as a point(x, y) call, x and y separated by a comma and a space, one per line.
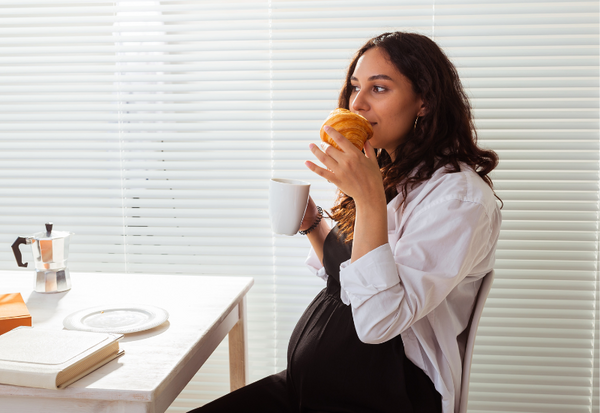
point(269, 395)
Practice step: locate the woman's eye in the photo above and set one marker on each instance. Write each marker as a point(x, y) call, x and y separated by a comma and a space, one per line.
point(379, 89)
point(355, 89)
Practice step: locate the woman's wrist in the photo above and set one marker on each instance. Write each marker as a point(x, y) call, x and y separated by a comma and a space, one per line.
point(315, 224)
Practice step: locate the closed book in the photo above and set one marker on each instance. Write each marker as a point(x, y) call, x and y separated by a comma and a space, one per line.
point(53, 359)
point(13, 312)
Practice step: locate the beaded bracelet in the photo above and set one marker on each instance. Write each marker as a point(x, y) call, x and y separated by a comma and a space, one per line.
point(317, 221)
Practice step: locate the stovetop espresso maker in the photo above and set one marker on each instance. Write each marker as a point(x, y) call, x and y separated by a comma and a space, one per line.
point(50, 252)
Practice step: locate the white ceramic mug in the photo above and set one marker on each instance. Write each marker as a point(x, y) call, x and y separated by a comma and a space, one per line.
point(288, 199)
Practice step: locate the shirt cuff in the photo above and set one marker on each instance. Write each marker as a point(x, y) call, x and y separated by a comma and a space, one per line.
point(372, 273)
point(315, 266)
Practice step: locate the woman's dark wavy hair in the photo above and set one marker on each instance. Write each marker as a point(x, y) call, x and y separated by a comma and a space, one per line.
point(443, 137)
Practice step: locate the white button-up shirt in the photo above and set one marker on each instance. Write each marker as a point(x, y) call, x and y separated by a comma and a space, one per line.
point(423, 283)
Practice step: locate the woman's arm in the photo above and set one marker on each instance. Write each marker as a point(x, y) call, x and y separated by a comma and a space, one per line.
point(370, 226)
point(397, 284)
point(390, 287)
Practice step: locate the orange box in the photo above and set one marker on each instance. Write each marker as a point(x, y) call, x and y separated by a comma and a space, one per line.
point(13, 312)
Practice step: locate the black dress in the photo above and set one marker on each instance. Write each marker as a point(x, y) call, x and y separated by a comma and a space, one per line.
point(330, 369)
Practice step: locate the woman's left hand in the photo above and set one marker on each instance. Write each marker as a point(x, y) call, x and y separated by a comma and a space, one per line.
point(354, 173)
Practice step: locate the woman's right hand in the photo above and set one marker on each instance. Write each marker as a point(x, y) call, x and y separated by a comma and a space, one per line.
point(357, 175)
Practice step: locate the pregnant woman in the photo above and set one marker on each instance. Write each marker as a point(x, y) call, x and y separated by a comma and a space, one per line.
point(416, 226)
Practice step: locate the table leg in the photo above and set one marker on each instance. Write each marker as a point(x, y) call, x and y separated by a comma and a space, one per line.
point(238, 350)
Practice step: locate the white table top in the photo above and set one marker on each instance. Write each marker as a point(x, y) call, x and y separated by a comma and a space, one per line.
point(152, 358)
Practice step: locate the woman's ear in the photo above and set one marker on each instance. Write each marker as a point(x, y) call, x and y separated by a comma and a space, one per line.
point(422, 110)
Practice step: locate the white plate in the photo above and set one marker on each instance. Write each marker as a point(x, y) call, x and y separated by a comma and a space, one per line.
point(116, 319)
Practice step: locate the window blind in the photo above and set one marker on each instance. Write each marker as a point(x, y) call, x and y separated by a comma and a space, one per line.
point(150, 129)
point(531, 70)
point(144, 127)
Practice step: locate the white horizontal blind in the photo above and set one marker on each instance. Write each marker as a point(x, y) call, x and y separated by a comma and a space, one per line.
point(150, 128)
point(144, 128)
point(531, 69)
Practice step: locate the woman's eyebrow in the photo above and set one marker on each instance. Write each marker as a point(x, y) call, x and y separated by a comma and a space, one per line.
point(374, 77)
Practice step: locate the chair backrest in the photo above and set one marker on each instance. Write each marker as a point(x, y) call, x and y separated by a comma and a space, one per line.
point(484, 290)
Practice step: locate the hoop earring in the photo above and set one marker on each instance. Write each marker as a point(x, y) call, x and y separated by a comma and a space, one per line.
point(415, 125)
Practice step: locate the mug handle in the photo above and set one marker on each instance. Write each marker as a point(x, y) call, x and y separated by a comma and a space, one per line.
point(17, 251)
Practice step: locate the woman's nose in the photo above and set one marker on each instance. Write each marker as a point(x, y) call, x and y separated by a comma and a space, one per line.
point(359, 103)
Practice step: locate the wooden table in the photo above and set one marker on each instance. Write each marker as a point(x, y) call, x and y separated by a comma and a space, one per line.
point(157, 363)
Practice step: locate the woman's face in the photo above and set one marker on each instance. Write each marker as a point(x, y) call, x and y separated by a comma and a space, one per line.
point(385, 98)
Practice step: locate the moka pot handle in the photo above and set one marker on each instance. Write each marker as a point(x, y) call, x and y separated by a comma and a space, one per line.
point(17, 251)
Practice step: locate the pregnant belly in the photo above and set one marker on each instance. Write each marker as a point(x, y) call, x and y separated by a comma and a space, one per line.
point(330, 369)
point(318, 341)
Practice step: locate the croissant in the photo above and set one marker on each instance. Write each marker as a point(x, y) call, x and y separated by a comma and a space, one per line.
point(354, 127)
